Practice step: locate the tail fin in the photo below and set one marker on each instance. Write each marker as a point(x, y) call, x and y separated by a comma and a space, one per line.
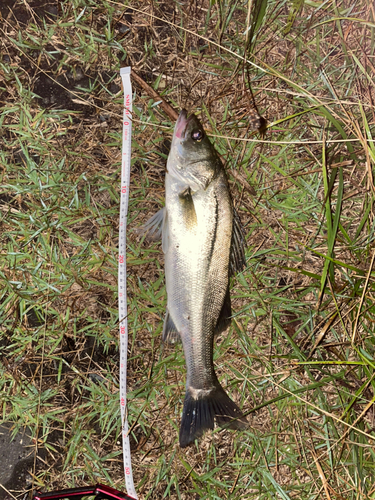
point(201, 407)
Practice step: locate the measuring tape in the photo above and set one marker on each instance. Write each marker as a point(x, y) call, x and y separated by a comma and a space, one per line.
point(122, 300)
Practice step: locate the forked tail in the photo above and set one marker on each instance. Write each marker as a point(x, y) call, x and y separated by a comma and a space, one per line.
point(201, 407)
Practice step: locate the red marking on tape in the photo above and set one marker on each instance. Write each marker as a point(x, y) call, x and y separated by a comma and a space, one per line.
point(121, 259)
point(123, 189)
point(122, 402)
point(127, 104)
point(127, 470)
point(122, 330)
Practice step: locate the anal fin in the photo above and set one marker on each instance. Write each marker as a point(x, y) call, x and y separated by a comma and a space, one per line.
point(170, 333)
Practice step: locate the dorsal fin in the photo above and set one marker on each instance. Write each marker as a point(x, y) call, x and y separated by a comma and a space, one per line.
point(224, 317)
point(237, 250)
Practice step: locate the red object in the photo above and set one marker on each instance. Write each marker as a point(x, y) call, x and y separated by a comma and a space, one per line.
point(99, 491)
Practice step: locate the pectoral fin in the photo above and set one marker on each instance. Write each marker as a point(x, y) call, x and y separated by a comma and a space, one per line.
point(189, 213)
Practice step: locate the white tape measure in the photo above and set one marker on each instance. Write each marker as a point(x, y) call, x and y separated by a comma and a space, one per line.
point(122, 299)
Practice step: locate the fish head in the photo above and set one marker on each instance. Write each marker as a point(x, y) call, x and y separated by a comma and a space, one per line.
point(192, 158)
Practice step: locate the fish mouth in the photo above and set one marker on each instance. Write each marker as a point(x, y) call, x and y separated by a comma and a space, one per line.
point(181, 124)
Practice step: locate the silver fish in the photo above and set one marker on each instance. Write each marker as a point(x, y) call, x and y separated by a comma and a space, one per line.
point(203, 245)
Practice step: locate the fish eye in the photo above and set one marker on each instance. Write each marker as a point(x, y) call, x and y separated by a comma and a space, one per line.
point(197, 135)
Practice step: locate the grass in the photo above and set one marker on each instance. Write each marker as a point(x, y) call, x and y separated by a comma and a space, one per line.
point(299, 357)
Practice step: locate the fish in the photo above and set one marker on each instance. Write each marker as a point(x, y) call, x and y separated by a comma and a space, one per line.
point(203, 244)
